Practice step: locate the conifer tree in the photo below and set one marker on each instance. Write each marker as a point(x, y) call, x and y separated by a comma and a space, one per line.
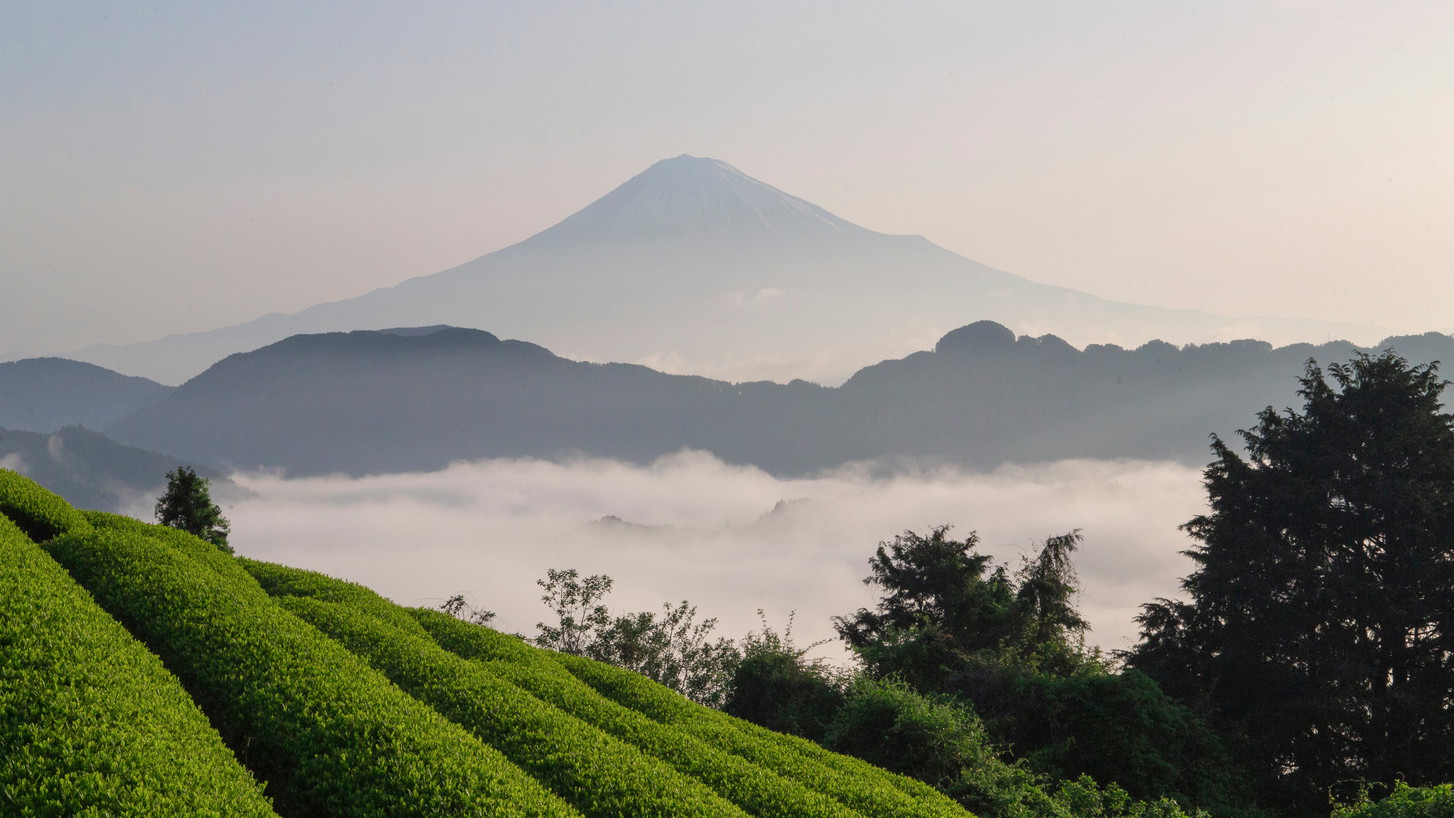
point(1320, 624)
point(187, 504)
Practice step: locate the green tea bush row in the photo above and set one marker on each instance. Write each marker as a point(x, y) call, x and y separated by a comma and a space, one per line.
point(280, 580)
point(40, 513)
point(859, 785)
point(854, 783)
point(329, 734)
point(600, 775)
point(90, 720)
point(755, 789)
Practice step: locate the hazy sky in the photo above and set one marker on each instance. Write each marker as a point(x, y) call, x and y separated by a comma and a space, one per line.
point(174, 166)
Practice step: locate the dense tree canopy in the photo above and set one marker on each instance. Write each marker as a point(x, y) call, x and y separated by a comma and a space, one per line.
point(1319, 627)
point(187, 504)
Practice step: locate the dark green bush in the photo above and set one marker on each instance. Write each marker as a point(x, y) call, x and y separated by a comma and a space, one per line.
point(41, 514)
point(1115, 727)
point(757, 790)
point(938, 741)
point(776, 688)
point(90, 720)
point(329, 734)
point(598, 774)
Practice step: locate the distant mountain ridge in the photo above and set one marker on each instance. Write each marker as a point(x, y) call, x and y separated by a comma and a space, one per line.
point(694, 267)
point(44, 394)
point(378, 402)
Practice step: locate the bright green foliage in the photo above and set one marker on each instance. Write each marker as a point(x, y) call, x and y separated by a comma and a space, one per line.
point(281, 581)
point(754, 789)
point(600, 775)
point(90, 721)
point(41, 514)
point(187, 504)
point(1083, 798)
point(1405, 802)
point(329, 734)
point(868, 789)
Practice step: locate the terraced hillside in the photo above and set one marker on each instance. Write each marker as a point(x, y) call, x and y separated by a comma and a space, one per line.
point(144, 672)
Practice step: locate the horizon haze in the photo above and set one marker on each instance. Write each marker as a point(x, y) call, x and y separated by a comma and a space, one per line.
point(177, 168)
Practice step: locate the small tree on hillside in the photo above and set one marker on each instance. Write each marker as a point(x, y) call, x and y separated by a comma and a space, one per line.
point(187, 504)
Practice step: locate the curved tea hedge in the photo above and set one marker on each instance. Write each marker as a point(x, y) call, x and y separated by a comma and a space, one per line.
point(330, 735)
point(40, 513)
point(90, 720)
point(280, 581)
point(755, 789)
point(862, 786)
point(599, 775)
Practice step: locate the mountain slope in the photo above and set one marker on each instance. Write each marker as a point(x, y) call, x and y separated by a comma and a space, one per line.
point(371, 402)
point(693, 267)
point(44, 394)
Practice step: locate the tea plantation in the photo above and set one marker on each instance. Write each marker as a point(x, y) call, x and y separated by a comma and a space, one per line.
point(145, 672)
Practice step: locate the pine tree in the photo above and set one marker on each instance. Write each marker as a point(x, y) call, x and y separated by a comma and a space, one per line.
point(187, 504)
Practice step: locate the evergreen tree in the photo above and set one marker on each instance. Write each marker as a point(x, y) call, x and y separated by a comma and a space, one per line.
point(1320, 624)
point(187, 504)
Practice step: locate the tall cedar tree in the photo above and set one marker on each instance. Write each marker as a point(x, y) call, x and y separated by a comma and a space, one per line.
point(187, 504)
point(1320, 626)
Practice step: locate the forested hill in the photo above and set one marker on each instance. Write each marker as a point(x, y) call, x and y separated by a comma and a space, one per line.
point(373, 402)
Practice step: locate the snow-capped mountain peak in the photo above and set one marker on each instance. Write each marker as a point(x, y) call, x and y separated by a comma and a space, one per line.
point(692, 196)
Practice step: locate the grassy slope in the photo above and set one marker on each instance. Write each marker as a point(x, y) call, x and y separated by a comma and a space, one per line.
point(347, 704)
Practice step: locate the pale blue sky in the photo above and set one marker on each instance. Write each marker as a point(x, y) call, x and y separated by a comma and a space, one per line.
point(177, 166)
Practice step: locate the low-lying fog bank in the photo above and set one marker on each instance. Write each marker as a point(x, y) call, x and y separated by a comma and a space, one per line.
point(692, 527)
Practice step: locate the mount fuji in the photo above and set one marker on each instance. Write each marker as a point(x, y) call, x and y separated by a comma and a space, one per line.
point(694, 267)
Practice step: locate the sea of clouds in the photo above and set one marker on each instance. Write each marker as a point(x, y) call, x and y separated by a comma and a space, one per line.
point(731, 539)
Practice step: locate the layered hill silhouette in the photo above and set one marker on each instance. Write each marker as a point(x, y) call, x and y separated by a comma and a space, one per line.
point(45, 394)
point(391, 401)
point(694, 267)
point(93, 471)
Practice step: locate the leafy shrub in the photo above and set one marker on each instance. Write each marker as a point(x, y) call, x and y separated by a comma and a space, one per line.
point(861, 786)
point(90, 720)
point(756, 790)
point(938, 741)
point(41, 514)
point(329, 734)
point(1114, 727)
point(600, 775)
point(776, 686)
point(1405, 802)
